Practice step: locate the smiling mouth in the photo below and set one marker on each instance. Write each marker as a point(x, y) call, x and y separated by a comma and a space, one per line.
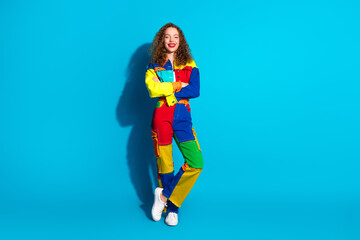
point(171, 45)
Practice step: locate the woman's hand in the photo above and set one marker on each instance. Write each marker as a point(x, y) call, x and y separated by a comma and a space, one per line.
point(184, 84)
point(156, 79)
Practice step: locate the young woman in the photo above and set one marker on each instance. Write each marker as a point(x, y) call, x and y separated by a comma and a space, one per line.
point(173, 76)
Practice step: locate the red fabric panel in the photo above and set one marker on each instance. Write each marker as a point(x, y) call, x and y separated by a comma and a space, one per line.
point(162, 123)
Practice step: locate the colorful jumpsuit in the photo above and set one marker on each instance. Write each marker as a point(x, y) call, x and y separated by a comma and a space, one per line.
point(172, 119)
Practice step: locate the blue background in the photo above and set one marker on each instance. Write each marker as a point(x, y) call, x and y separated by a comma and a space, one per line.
point(277, 119)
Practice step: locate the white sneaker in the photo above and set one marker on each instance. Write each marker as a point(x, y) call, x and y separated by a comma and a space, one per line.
point(158, 205)
point(171, 219)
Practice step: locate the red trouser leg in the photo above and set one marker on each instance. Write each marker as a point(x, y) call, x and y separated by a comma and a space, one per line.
point(162, 134)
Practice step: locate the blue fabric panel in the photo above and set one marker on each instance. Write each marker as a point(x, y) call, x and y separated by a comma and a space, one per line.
point(169, 188)
point(168, 65)
point(166, 178)
point(150, 66)
point(182, 124)
point(172, 207)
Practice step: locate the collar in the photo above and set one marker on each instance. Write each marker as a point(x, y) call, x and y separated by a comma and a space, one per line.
point(168, 65)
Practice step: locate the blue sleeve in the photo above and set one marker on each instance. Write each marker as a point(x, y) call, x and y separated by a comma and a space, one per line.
point(193, 89)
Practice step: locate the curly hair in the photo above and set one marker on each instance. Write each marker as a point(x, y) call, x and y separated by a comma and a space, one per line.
point(157, 50)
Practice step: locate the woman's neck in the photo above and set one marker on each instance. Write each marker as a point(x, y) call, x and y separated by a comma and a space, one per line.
point(171, 57)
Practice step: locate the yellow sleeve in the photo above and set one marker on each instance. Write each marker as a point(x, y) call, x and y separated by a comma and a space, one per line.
point(157, 89)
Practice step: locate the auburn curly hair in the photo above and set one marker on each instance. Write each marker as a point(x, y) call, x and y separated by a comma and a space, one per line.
point(157, 50)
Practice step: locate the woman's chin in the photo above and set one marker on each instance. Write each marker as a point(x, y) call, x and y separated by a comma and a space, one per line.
point(169, 51)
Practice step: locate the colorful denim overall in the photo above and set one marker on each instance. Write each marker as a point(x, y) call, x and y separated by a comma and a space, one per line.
point(172, 119)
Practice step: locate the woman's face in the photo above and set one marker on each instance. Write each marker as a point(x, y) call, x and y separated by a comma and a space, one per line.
point(171, 39)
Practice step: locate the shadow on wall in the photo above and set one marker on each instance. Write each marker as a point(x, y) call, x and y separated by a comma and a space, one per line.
point(135, 108)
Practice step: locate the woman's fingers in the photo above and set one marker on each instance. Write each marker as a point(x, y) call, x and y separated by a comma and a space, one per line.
point(184, 84)
point(156, 79)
